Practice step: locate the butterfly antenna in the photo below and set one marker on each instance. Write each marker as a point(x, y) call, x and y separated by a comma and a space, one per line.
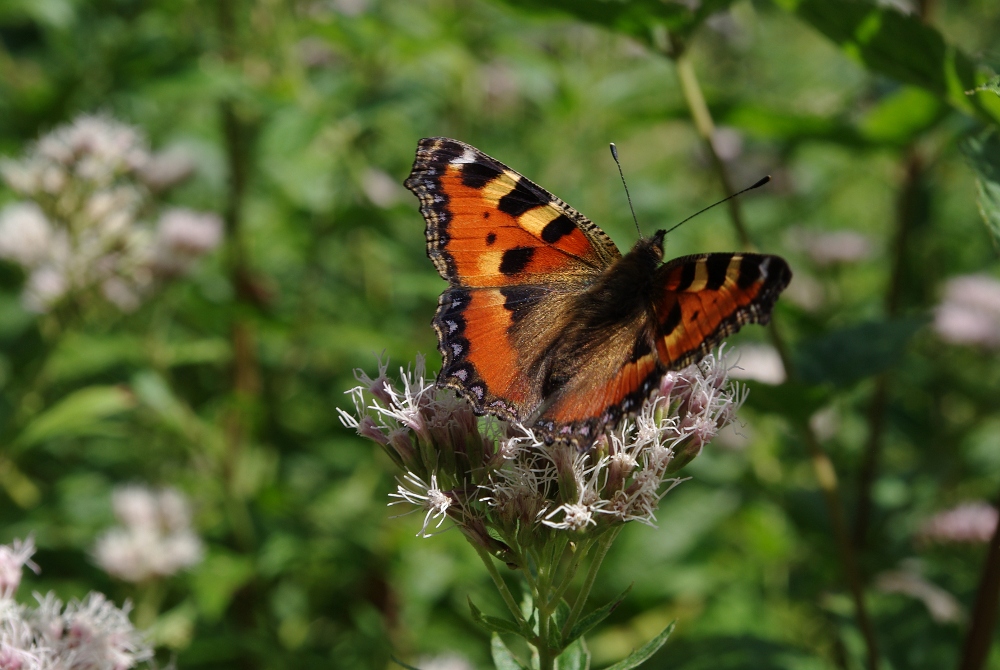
point(760, 182)
point(614, 154)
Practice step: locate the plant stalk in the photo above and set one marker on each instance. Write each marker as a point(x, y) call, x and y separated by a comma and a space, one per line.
point(822, 465)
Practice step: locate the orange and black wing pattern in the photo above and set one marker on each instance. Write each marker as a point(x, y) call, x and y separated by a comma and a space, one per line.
point(696, 301)
point(699, 300)
point(510, 250)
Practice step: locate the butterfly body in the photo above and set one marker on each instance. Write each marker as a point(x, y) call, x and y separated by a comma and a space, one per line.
point(544, 320)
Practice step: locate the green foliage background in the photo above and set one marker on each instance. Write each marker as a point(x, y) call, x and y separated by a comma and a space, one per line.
point(304, 116)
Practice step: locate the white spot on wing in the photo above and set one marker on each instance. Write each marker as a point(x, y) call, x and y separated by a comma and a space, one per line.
point(468, 156)
point(457, 348)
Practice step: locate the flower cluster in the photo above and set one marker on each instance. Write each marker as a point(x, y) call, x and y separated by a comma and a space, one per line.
point(969, 312)
point(155, 539)
point(502, 485)
point(84, 221)
point(79, 635)
point(968, 523)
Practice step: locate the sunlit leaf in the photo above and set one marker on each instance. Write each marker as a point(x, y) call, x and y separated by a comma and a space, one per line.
point(575, 657)
point(897, 45)
point(643, 653)
point(503, 658)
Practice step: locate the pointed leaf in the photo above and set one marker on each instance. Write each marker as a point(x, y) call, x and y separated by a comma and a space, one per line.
point(900, 46)
point(643, 654)
point(584, 625)
point(983, 151)
point(575, 657)
point(502, 656)
point(80, 413)
point(494, 624)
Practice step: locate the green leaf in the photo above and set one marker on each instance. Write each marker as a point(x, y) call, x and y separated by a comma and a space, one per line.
point(793, 400)
point(642, 654)
point(584, 625)
point(983, 151)
point(216, 581)
point(80, 355)
point(897, 45)
point(494, 624)
point(846, 356)
point(902, 115)
point(641, 19)
point(502, 656)
point(80, 413)
point(575, 657)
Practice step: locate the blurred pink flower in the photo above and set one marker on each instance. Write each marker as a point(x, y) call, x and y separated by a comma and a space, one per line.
point(941, 605)
point(973, 522)
point(183, 235)
point(969, 312)
point(831, 247)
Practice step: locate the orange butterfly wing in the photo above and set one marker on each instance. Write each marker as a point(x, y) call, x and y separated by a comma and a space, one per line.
point(508, 249)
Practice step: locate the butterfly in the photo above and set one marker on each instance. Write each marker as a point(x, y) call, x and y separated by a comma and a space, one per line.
point(544, 321)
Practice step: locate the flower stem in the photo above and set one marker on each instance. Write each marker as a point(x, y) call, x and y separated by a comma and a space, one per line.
point(984, 613)
point(825, 473)
point(505, 593)
point(705, 127)
point(603, 544)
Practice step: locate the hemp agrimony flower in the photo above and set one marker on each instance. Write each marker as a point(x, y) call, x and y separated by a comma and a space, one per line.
point(539, 508)
point(86, 634)
point(88, 221)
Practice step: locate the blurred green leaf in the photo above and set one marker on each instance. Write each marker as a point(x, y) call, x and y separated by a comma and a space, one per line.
point(848, 355)
point(640, 19)
point(643, 653)
point(575, 657)
point(80, 413)
point(82, 355)
point(902, 115)
point(897, 45)
point(217, 579)
point(584, 625)
point(502, 656)
point(793, 400)
point(983, 151)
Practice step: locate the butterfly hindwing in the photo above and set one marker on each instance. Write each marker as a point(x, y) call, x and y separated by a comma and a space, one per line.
point(701, 299)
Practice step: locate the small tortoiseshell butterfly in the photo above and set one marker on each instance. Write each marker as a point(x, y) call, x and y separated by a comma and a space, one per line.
point(544, 321)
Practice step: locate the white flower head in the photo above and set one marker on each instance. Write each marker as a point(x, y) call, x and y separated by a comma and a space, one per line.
point(155, 539)
point(429, 497)
point(25, 234)
point(969, 312)
point(13, 558)
point(81, 227)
